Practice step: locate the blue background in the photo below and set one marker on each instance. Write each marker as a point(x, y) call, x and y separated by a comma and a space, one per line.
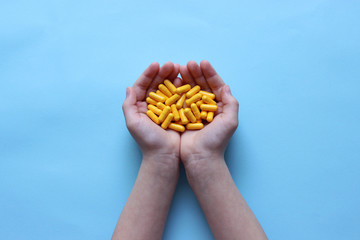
point(68, 163)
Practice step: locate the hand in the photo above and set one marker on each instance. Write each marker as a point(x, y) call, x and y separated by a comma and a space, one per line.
point(211, 141)
point(155, 143)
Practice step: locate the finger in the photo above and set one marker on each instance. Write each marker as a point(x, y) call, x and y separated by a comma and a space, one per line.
point(175, 72)
point(178, 82)
point(186, 76)
point(144, 81)
point(164, 72)
point(142, 107)
point(197, 75)
point(230, 108)
point(129, 107)
point(213, 79)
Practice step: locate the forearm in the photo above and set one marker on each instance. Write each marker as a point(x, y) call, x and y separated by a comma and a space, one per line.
point(225, 209)
point(145, 212)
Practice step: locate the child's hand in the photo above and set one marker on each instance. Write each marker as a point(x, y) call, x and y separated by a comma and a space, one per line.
point(210, 142)
point(157, 144)
point(201, 151)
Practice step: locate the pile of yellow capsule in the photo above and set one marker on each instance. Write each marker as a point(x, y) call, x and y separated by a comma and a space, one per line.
point(175, 107)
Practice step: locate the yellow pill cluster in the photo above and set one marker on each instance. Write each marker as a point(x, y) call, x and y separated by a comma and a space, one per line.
point(177, 108)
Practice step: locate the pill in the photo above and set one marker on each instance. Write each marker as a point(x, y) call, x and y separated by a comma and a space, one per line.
point(164, 114)
point(194, 98)
point(193, 91)
point(160, 105)
point(167, 121)
point(181, 101)
point(161, 94)
point(177, 127)
point(195, 110)
point(183, 118)
point(208, 100)
point(183, 89)
point(190, 115)
point(209, 107)
point(181, 108)
point(170, 86)
point(210, 116)
point(172, 99)
point(205, 93)
point(175, 112)
point(164, 90)
point(198, 103)
point(156, 97)
point(203, 114)
point(154, 109)
point(179, 122)
point(194, 126)
point(152, 116)
point(149, 100)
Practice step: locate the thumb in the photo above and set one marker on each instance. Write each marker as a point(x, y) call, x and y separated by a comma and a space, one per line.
point(129, 106)
point(230, 108)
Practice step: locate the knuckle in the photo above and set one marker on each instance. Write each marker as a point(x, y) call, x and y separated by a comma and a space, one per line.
point(232, 124)
point(236, 102)
point(124, 106)
point(131, 125)
point(236, 124)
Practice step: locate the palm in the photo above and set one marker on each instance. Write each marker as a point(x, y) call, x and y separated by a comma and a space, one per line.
point(213, 138)
point(153, 136)
point(208, 139)
point(150, 137)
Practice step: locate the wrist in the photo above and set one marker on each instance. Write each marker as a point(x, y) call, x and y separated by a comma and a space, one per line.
point(197, 160)
point(201, 170)
point(162, 165)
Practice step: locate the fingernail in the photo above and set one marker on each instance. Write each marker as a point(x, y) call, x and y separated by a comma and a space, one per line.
point(127, 92)
point(227, 89)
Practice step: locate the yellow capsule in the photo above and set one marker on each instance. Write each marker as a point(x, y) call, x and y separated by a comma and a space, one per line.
point(161, 94)
point(160, 105)
point(203, 114)
point(177, 127)
point(183, 89)
point(154, 109)
point(209, 107)
point(167, 121)
point(183, 118)
point(205, 93)
point(210, 116)
point(193, 91)
point(156, 97)
point(194, 98)
point(181, 101)
point(172, 99)
point(170, 86)
point(164, 114)
point(175, 112)
point(199, 121)
point(208, 100)
point(152, 116)
point(195, 110)
point(149, 100)
point(164, 90)
point(198, 103)
point(180, 122)
point(190, 115)
point(194, 126)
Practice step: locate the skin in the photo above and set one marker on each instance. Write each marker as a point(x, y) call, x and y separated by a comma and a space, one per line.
point(201, 152)
point(145, 212)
